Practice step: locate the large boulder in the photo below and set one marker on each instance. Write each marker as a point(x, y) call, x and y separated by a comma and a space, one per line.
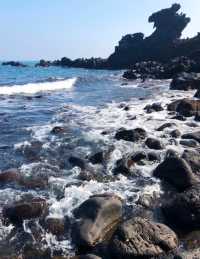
point(10, 176)
point(185, 107)
point(177, 172)
point(141, 238)
point(96, 218)
point(131, 135)
point(185, 82)
point(130, 75)
point(183, 211)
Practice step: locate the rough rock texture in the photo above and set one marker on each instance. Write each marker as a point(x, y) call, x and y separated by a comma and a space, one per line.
point(177, 172)
point(140, 238)
point(131, 135)
point(185, 107)
point(97, 217)
point(10, 176)
point(183, 211)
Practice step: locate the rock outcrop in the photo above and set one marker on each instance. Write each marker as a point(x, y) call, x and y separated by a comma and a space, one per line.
point(163, 45)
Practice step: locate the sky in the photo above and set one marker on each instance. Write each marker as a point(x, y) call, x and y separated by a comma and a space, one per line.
point(51, 29)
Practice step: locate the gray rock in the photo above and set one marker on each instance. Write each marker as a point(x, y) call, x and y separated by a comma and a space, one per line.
point(96, 218)
point(141, 238)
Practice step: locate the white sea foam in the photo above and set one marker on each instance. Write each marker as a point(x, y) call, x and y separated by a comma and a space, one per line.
point(38, 87)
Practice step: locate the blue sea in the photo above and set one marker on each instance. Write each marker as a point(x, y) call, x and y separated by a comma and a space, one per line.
point(89, 106)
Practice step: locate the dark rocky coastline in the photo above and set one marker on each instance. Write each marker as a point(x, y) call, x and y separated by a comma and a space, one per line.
point(157, 227)
point(162, 46)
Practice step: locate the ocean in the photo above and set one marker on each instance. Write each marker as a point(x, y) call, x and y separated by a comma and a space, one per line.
point(88, 106)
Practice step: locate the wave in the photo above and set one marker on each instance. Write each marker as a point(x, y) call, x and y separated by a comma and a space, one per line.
point(33, 88)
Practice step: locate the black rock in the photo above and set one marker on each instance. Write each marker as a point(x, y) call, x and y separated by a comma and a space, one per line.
point(177, 172)
point(175, 133)
point(192, 135)
point(130, 75)
point(153, 156)
point(166, 125)
point(131, 135)
point(138, 156)
point(183, 211)
point(155, 107)
point(185, 82)
point(13, 64)
point(75, 161)
point(153, 143)
point(97, 158)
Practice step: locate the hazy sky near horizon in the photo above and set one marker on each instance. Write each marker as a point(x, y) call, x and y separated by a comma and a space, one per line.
point(49, 29)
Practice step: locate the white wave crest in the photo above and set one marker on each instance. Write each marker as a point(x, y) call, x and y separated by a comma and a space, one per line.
point(34, 88)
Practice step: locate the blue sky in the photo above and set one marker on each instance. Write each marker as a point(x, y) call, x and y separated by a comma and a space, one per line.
point(50, 29)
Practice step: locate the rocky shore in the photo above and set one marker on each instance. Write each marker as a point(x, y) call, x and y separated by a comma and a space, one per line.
point(162, 224)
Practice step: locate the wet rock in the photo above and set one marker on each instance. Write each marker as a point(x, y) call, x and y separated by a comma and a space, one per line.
point(75, 161)
point(97, 217)
point(141, 238)
point(153, 156)
point(10, 176)
point(130, 75)
point(20, 211)
point(97, 158)
point(185, 107)
point(177, 172)
point(153, 143)
point(193, 159)
point(166, 125)
point(138, 156)
point(189, 143)
point(57, 130)
point(185, 82)
point(56, 226)
point(179, 117)
point(183, 211)
point(175, 133)
point(131, 135)
point(32, 151)
point(155, 107)
point(192, 135)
